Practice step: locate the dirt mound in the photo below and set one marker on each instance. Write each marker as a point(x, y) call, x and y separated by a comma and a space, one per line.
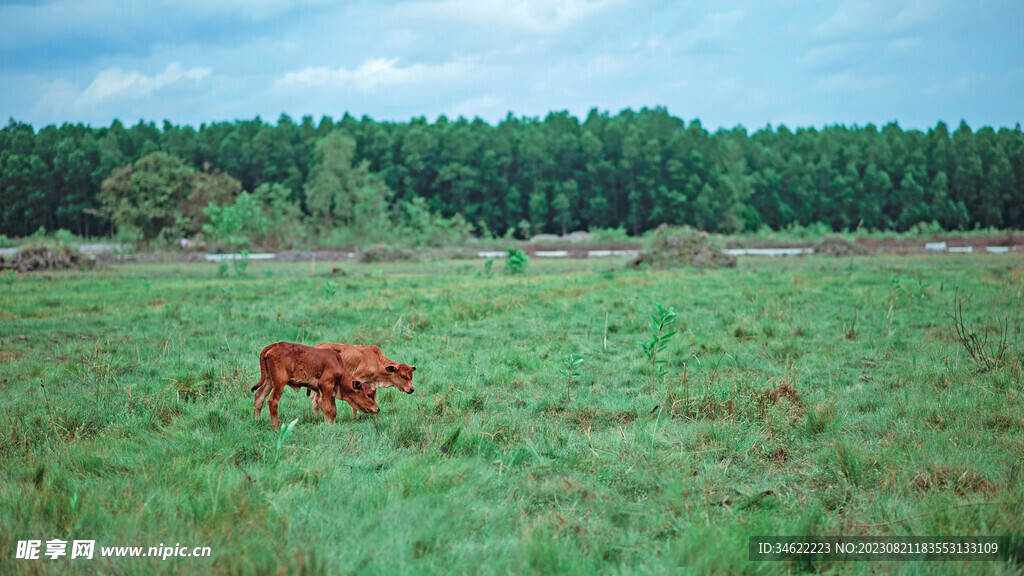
point(382, 253)
point(836, 246)
point(32, 258)
point(783, 390)
point(680, 247)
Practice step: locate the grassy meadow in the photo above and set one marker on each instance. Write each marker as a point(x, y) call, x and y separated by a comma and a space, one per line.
point(806, 397)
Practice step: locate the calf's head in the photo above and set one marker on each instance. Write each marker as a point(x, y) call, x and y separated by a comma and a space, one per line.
point(400, 376)
point(353, 392)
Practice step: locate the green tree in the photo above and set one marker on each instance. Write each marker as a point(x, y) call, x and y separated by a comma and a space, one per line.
point(912, 199)
point(996, 190)
point(342, 193)
point(539, 207)
point(23, 193)
point(146, 197)
point(216, 188)
point(563, 204)
point(951, 214)
point(285, 222)
point(965, 182)
point(236, 225)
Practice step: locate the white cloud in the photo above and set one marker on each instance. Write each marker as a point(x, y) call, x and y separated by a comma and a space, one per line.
point(718, 31)
point(107, 20)
point(116, 92)
point(850, 17)
point(529, 15)
point(252, 10)
point(830, 54)
point(371, 74)
point(913, 13)
point(117, 83)
point(970, 79)
point(873, 17)
point(487, 107)
point(604, 66)
point(726, 19)
point(850, 83)
point(959, 84)
point(903, 45)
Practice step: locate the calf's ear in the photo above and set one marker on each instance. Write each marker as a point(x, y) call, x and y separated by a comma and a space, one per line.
point(413, 368)
point(357, 384)
point(391, 368)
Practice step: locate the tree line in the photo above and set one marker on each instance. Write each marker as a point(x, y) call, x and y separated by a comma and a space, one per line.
point(635, 170)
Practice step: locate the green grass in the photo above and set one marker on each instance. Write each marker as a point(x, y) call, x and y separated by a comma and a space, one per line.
point(127, 416)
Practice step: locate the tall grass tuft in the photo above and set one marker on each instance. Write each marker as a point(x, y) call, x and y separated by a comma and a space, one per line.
point(986, 354)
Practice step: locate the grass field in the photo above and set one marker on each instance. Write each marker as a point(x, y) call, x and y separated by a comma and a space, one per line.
point(817, 396)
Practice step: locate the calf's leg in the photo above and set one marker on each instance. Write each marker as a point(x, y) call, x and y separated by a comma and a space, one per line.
point(275, 397)
point(262, 392)
point(327, 405)
point(315, 400)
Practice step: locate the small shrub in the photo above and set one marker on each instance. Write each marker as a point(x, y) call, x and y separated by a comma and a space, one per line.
point(570, 365)
point(63, 236)
point(240, 263)
point(987, 355)
point(660, 335)
point(516, 261)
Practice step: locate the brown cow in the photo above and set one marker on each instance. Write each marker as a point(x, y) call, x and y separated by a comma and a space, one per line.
point(371, 367)
point(298, 366)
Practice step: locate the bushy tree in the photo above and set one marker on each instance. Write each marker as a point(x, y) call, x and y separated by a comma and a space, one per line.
point(236, 225)
point(147, 196)
point(343, 193)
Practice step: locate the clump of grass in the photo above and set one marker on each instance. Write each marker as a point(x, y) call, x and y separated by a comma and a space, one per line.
point(818, 418)
point(849, 461)
point(850, 330)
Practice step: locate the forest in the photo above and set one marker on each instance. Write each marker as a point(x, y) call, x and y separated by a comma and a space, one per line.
point(360, 180)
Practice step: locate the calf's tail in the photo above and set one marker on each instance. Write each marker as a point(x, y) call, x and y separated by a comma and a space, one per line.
point(263, 368)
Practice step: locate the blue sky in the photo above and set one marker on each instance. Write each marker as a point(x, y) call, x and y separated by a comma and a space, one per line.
point(797, 62)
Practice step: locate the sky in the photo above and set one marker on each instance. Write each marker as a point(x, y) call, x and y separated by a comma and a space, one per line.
point(801, 63)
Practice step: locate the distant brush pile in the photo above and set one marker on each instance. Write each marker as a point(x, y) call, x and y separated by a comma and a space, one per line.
point(384, 253)
point(836, 246)
point(678, 247)
point(33, 258)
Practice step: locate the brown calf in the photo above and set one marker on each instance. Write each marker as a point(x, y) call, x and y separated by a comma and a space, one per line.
point(371, 367)
point(298, 366)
